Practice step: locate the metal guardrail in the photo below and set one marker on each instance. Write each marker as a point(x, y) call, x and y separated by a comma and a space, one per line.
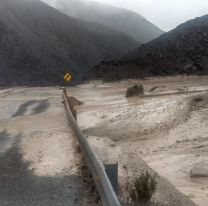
point(97, 169)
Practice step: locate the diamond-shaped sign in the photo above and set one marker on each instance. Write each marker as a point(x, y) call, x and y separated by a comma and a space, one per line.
point(67, 77)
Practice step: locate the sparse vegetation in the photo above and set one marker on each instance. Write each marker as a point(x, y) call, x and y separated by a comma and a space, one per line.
point(144, 188)
point(136, 90)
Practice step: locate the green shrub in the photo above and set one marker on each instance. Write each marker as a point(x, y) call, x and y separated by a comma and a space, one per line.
point(144, 188)
point(136, 90)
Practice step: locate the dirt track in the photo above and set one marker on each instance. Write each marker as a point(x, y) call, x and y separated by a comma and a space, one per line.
point(168, 131)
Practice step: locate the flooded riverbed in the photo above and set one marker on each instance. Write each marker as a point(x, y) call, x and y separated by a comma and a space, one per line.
point(167, 128)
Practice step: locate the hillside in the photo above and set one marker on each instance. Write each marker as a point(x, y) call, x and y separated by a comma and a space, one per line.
point(120, 19)
point(39, 44)
point(183, 50)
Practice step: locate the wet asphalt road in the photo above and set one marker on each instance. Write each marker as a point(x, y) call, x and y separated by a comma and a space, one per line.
point(38, 164)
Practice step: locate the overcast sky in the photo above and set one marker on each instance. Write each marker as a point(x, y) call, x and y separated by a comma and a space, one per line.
point(166, 14)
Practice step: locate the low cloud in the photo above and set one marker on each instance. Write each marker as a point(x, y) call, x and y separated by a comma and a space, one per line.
point(167, 14)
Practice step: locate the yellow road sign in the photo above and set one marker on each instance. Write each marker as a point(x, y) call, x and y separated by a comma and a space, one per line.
point(67, 77)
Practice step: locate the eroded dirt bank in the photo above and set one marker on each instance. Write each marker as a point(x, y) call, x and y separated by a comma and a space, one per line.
point(168, 129)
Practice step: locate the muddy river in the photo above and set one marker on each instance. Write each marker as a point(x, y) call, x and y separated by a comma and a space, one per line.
point(168, 128)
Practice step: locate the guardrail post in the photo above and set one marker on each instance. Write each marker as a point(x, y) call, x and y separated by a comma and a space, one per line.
point(112, 172)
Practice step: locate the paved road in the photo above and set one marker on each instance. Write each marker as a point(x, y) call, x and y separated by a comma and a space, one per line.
point(38, 164)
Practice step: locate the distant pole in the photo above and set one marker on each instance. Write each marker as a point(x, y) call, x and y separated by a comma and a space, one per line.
point(186, 82)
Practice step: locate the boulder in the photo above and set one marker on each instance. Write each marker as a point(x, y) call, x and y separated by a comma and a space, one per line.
point(136, 90)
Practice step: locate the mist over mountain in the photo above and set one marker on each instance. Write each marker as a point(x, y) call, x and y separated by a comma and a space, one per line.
point(39, 44)
point(120, 19)
point(183, 50)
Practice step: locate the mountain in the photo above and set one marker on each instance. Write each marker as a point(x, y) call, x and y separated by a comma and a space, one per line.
point(39, 44)
point(183, 50)
point(120, 19)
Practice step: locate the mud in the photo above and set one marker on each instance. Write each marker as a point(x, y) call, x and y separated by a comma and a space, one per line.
point(167, 129)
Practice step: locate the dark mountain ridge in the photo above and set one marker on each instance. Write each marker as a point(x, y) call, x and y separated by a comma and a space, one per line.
point(39, 44)
point(183, 50)
point(115, 18)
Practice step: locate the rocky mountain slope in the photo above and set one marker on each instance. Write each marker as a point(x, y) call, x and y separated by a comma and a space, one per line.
point(120, 19)
point(39, 44)
point(183, 50)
